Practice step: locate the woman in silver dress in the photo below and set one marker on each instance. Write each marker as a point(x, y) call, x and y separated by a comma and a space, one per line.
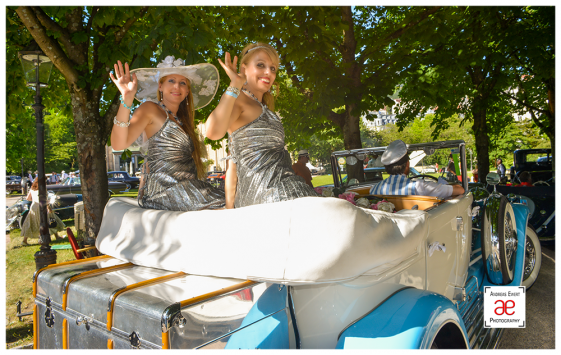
point(174, 169)
point(260, 163)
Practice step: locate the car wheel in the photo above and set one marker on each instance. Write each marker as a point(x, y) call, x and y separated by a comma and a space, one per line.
point(500, 241)
point(532, 258)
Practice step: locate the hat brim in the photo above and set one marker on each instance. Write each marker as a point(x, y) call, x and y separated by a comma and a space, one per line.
point(204, 79)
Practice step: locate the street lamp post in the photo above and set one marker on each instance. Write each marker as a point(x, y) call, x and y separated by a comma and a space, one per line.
point(37, 70)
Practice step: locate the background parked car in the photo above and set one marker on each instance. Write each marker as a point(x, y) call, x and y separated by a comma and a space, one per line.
point(535, 161)
point(13, 183)
point(74, 185)
point(62, 205)
point(123, 176)
point(216, 175)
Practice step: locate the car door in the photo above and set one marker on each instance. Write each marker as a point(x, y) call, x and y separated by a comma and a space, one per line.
point(449, 228)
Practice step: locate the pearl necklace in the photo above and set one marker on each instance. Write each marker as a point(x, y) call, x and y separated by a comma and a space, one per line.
point(246, 91)
point(171, 113)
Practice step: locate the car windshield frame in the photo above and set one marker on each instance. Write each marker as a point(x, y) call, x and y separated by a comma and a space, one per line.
point(428, 148)
point(71, 181)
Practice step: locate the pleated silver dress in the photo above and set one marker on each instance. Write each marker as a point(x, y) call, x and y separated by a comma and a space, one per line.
point(171, 181)
point(263, 165)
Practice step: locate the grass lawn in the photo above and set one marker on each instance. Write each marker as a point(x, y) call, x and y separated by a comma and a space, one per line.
point(20, 266)
point(319, 180)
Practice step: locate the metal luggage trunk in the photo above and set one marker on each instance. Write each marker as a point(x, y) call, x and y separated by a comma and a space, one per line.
point(106, 303)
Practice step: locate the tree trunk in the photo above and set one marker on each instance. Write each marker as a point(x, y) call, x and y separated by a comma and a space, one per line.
point(91, 139)
point(481, 142)
point(351, 137)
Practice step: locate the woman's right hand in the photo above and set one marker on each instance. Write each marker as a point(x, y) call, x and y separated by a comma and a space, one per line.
point(236, 79)
point(126, 86)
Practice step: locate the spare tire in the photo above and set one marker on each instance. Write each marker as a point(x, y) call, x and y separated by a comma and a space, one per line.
point(499, 240)
point(532, 258)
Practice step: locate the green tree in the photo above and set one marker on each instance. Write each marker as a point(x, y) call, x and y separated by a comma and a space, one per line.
point(84, 43)
point(340, 62)
point(532, 69)
point(466, 72)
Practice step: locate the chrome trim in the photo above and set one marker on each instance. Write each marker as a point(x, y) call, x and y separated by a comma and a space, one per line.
point(410, 147)
point(171, 317)
point(529, 258)
point(110, 301)
point(490, 239)
point(68, 281)
point(372, 310)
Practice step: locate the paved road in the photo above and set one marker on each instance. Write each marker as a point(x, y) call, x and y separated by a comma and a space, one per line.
point(540, 311)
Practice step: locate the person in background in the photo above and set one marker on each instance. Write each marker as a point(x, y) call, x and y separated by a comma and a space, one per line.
point(32, 222)
point(63, 175)
point(29, 178)
point(475, 173)
point(54, 178)
point(525, 179)
point(501, 170)
point(396, 162)
point(375, 162)
point(300, 167)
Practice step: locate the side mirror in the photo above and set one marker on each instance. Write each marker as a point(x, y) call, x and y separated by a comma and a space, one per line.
point(493, 179)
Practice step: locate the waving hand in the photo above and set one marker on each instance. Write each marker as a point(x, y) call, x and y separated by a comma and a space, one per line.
point(236, 79)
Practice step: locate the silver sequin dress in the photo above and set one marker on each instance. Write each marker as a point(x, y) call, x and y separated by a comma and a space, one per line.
point(263, 166)
point(171, 182)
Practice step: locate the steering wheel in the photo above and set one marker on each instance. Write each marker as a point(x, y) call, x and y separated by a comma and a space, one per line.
point(541, 183)
point(424, 176)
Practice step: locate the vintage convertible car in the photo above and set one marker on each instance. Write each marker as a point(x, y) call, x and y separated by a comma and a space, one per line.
point(13, 183)
point(74, 185)
point(123, 176)
point(62, 205)
point(272, 277)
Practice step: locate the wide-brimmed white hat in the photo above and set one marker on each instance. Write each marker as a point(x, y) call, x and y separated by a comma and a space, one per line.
point(204, 80)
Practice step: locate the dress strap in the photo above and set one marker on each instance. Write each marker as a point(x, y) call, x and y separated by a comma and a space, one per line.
point(250, 94)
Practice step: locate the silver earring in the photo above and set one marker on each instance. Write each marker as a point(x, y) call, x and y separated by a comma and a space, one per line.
point(161, 96)
point(245, 82)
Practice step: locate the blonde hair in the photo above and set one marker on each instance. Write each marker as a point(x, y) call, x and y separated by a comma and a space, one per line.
point(246, 55)
point(186, 114)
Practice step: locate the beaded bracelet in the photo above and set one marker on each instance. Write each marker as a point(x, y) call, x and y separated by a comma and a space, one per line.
point(231, 94)
point(124, 104)
point(120, 123)
point(233, 89)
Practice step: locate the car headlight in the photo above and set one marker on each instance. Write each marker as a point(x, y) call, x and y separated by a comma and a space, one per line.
point(12, 212)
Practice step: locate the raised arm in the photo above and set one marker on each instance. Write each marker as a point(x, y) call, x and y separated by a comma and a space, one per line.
point(124, 133)
point(225, 113)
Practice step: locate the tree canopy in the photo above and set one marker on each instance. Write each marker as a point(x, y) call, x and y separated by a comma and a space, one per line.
point(339, 64)
point(469, 71)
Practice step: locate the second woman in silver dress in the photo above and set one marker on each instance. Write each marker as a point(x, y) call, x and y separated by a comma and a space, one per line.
point(174, 174)
point(261, 164)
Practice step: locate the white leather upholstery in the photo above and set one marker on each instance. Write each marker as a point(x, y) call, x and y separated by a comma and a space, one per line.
point(307, 240)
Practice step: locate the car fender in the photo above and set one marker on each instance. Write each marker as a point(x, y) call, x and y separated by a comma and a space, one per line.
point(409, 319)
